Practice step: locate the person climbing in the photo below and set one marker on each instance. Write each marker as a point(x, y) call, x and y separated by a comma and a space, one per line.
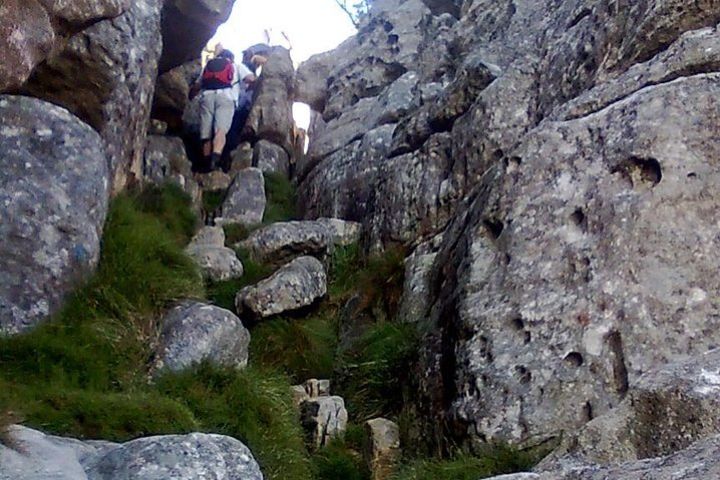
point(221, 85)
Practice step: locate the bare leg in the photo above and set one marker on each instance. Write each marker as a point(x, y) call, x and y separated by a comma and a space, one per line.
point(219, 141)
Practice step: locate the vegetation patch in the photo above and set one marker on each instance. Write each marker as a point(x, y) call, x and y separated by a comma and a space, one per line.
point(496, 460)
point(254, 406)
point(281, 199)
point(223, 293)
point(212, 200)
point(340, 460)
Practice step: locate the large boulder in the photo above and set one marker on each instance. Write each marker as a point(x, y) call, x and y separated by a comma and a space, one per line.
point(271, 114)
point(208, 250)
point(193, 332)
point(33, 30)
point(271, 158)
point(106, 76)
point(245, 201)
point(298, 284)
point(54, 186)
point(187, 26)
point(180, 457)
point(280, 242)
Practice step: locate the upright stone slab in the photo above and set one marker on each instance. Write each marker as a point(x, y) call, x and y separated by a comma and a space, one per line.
point(382, 453)
point(54, 185)
point(323, 418)
point(245, 201)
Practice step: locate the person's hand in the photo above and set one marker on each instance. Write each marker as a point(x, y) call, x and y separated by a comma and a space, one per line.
point(258, 60)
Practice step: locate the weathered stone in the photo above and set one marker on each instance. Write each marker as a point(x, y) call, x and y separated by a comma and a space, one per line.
point(271, 158)
point(180, 457)
point(166, 161)
point(33, 30)
point(208, 250)
point(665, 411)
point(54, 185)
point(245, 201)
point(585, 260)
point(214, 181)
point(382, 454)
point(271, 115)
point(106, 76)
point(343, 232)
point(194, 332)
point(241, 158)
point(298, 284)
point(187, 26)
point(171, 94)
point(323, 419)
point(281, 242)
point(415, 301)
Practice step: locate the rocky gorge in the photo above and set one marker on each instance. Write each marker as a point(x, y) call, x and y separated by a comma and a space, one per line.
point(497, 256)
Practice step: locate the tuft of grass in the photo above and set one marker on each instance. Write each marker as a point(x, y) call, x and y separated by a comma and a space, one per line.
point(254, 406)
point(338, 460)
point(496, 460)
point(213, 199)
point(171, 206)
point(223, 294)
point(236, 233)
point(302, 349)
point(372, 374)
point(281, 199)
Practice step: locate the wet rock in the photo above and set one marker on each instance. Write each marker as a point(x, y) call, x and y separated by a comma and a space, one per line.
point(245, 201)
point(271, 115)
point(106, 76)
point(181, 457)
point(298, 284)
point(54, 187)
point(194, 332)
point(323, 419)
point(32, 31)
point(208, 250)
point(271, 158)
point(188, 26)
point(383, 453)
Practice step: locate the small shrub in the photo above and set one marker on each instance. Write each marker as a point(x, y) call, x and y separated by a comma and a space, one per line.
point(212, 200)
point(497, 460)
point(235, 233)
point(254, 406)
point(281, 199)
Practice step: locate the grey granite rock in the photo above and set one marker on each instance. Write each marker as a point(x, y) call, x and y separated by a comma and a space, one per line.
point(323, 418)
point(54, 187)
point(271, 158)
point(171, 94)
point(298, 284)
point(193, 332)
point(382, 452)
point(208, 250)
point(245, 201)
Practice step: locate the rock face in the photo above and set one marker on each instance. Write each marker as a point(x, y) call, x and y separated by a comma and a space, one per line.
point(245, 201)
point(171, 94)
point(323, 418)
point(298, 284)
point(382, 454)
point(281, 242)
point(182, 457)
point(271, 115)
point(32, 31)
point(566, 149)
point(218, 262)
point(193, 332)
point(54, 194)
point(666, 411)
point(106, 76)
point(271, 158)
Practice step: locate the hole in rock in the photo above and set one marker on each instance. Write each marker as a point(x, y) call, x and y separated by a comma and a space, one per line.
point(494, 227)
point(587, 412)
point(523, 374)
point(579, 219)
point(692, 175)
point(617, 353)
point(393, 39)
point(388, 26)
point(640, 171)
point(517, 323)
point(574, 359)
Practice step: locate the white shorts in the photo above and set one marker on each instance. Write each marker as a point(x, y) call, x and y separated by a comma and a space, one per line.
point(216, 112)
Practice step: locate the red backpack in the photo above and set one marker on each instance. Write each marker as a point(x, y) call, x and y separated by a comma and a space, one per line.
point(218, 74)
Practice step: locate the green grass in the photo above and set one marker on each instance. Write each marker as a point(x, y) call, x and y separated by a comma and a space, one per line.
point(254, 406)
point(339, 460)
point(213, 199)
point(496, 460)
point(281, 199)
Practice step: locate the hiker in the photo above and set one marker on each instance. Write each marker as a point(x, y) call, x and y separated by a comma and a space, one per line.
point(221, 84)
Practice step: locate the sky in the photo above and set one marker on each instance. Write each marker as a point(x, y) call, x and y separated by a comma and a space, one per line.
point(313, 26)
